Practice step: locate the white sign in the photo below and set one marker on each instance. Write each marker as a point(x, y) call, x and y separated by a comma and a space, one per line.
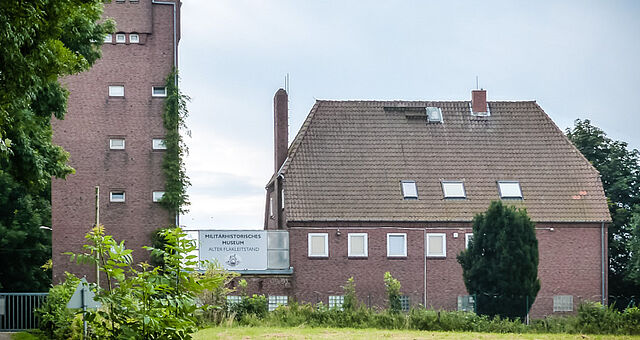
point(83, 297)
point(235, 249)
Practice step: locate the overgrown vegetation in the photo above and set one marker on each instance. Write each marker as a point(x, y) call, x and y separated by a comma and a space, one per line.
point(392, 287)
point(175, 198)
point(139, 301)
point(500, 266)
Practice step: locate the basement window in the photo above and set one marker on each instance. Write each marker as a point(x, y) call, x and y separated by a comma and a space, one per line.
point(121, 38)
point(157, 196)
point(116, 196)
point(233, 299)
point(563, 303)
point(405, 303)
point(134, 38)
point(509, 189)
point(336, 301)
point(357, 246)
point(318, 245)
point(116, 90)
point(116, 143)
point(409, 190)
point(158, 144)
point(437, 245)
point(396, 245)
point(453, 189)
point(277, 300)
point(158, 91)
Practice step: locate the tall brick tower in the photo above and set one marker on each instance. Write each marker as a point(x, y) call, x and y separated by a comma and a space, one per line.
point(113, 131)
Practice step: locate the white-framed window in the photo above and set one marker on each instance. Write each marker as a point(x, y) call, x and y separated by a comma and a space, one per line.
point(158, 144)
point(409, 189)
point(405, 303)
point(434, 114)
point(336, 301)
point(158, 91)
point(108, 38)
point(436, 245)
point(277, 300)
point(396, 245)
point(157, 196)
point(116, 90)
point(233, 300)
point(134, 38)
point(563, 303)
point(116, 143)
point(467, 239)
point(357, 245)
point(121, 38)
point(453, 189)
point(509, 189)
point(116, 196)
point(318, 244)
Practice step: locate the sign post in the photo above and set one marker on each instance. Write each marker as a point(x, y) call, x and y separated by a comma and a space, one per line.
point(83, 298)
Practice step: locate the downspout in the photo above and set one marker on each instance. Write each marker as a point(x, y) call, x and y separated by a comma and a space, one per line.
point(175, 58)
point(603, 263)
point(424, 298)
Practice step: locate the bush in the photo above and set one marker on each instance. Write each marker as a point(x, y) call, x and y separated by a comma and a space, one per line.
point(55, 318)
point(255, 305)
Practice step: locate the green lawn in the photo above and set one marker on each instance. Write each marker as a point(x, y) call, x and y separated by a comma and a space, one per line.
point(349, 333)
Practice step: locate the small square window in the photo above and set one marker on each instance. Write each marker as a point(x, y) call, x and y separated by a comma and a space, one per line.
point(108, 38)
point(318, 244)
point(453, 189)
point(116, 196)
point(509, 189)
point(436, 245)
point(116, 90)
point(396, 245)
point(563, 303)
point(409, 190)
point(233, 300)
point(121, 38)
point(357, 246)
point(277, 300)
point(158, 144)
point(467, 239)
point(405, 303)
point(116, 143)
point(158, 91)
point(134, 38)
point(336, 301)
point(157, 196)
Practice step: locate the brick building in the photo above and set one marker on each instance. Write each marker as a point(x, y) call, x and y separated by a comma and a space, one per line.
point(113, 131)
point(373, 186)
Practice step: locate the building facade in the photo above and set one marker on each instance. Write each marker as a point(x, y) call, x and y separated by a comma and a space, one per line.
point(368, 187)
point(113, 131)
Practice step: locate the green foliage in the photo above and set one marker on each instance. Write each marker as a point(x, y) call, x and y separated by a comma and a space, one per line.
point(158, 241)
point(501, 264)
point(55, 318)
point(175, 198)
point(392, 287)
point(350, 302)
point(250, 306)
point(216, 297)
point(150, 302)
point(24, 247)
point(619, 169)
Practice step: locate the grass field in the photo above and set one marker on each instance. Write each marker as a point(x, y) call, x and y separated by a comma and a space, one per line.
point(349, 333)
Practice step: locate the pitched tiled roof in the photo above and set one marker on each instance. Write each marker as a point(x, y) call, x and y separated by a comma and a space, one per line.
point(349, 158)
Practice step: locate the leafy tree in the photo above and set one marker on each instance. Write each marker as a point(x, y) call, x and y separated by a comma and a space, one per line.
point(24, 247)
point(620, 172)
point(500, 266)
point(350, 302)
point(392, 286)
point(633, 273)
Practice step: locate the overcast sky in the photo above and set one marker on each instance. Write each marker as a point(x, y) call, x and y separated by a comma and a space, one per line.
point(577, 59)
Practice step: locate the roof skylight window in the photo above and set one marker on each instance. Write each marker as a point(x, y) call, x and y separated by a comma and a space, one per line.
point(409, 190)
point(453, 189)
point(509, 189)
point(434, 114)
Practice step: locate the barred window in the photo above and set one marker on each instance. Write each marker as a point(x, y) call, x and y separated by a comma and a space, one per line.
point(277, 300)
point(336, 301)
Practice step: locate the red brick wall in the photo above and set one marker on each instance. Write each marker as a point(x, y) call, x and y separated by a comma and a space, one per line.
point(569, 264)
point(93, 117)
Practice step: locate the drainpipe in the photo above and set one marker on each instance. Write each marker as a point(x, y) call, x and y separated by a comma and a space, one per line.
point(603, 261)
point(175, 56)
point(424, 237)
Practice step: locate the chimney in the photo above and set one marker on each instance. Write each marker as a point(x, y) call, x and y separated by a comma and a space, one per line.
point(280, 128)
point(479, 101)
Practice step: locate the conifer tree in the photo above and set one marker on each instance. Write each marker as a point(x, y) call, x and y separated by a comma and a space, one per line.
point(500, 266)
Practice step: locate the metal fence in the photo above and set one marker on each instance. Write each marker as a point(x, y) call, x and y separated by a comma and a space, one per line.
point(17, 310)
